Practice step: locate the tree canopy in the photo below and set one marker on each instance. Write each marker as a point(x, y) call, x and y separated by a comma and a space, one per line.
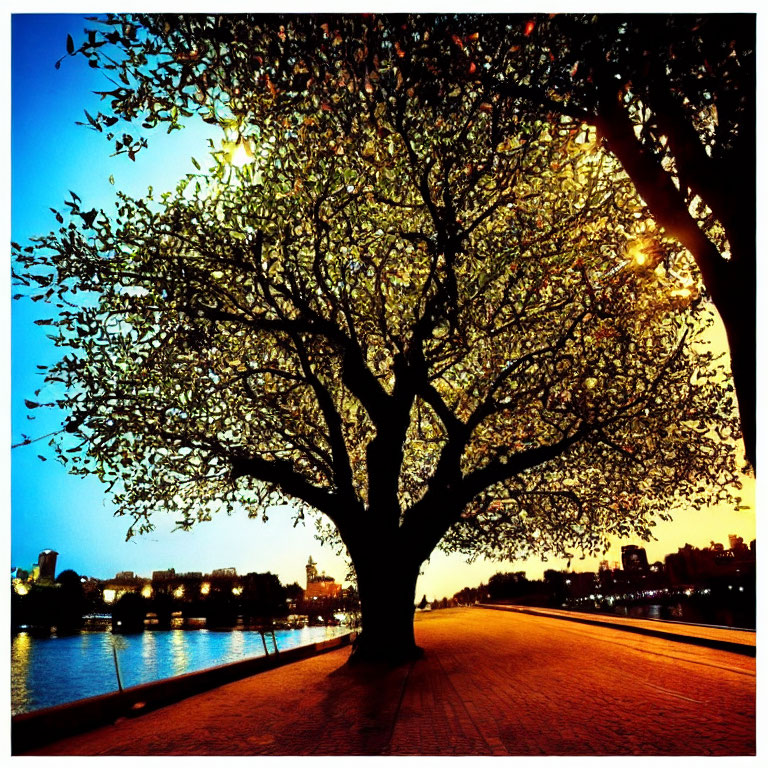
point(392, 296)
point(673, 96)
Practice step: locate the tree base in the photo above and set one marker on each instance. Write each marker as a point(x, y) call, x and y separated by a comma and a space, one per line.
point(387, 653)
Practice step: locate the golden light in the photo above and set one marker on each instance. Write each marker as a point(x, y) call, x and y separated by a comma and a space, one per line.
point(178, 592)
point(237, 590)
point(241, 154)
point(109, 595)
point(644, 254)
point(205, 588)
point(147, 591)
point(683, 296)
point(20, 588)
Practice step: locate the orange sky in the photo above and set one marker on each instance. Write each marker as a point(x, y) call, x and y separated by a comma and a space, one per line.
point(445, 575)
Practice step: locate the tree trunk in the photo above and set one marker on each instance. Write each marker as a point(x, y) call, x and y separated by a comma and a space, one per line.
point(387, 589)
point(738, 313)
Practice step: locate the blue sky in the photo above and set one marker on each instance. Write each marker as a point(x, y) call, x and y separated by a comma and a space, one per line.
point(50, 155)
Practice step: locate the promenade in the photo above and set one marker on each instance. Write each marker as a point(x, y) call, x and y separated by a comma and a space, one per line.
point(491, 683)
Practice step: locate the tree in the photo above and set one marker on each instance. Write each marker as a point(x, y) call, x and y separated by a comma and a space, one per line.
point(674, 99)
point(128, 613)
point(503, 586)
point(432, 321)
point(71, 603)
point(263, 596)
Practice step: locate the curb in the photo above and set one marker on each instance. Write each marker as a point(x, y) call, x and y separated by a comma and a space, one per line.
point(721, 645)
point(43, 726)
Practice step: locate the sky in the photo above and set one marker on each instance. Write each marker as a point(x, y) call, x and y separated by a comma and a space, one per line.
point(50, 155)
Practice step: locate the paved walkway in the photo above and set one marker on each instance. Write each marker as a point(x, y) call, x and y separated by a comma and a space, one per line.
point(742, 640)
point(491, 683)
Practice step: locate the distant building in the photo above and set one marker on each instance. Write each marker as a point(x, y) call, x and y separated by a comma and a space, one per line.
point(320, 587)
point(170, 573)
point(124, 575)
point(46, 563)
point(224, 572)
point(634, 559)
point(311, 569)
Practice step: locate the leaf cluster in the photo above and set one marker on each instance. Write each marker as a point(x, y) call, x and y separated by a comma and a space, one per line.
point(416, 308)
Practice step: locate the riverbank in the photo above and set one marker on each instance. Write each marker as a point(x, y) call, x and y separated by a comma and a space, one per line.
point(490, 683)
point(48, 671)
point(28, 730)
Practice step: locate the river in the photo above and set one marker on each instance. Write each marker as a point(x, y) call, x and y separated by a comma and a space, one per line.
point(46, 671)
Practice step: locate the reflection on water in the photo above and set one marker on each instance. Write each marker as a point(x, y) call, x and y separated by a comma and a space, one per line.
point(54, 670)
point(20, 653)
point(236, 644)
point(179, 659)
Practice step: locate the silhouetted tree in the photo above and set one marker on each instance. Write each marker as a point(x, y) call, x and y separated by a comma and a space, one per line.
point(673, 97)
point(263, 596)
point(71, 603)
point(413, 309)
point(554, 582)
point(128, 613)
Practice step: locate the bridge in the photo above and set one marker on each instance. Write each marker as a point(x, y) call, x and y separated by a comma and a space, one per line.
point(492, 682)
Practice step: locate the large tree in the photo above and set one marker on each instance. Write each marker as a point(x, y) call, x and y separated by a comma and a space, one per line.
point(405, 307)
point(673, 96)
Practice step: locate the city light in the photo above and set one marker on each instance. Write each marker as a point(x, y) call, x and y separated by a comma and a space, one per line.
point(178, 592)
point(109, 595)
point(205, 588)
point(146, 591)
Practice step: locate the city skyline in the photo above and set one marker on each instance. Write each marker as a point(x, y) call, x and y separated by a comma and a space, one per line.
point(51, 509)
point(324, 573)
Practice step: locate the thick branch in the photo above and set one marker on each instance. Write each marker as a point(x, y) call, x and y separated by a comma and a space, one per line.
point(280, 472)
point(656, 187)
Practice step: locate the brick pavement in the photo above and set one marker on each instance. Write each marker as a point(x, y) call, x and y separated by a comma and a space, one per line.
point(491, 683)
point(704, 632)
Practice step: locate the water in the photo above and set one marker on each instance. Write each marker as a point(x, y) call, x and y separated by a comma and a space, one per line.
point(55, 670)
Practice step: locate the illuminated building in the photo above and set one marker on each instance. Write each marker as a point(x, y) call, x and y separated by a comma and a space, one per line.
point(320, 586)
point(224, 572)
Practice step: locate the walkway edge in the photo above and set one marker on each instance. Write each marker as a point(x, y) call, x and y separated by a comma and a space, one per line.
point(722, 645)
point(43, 726)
